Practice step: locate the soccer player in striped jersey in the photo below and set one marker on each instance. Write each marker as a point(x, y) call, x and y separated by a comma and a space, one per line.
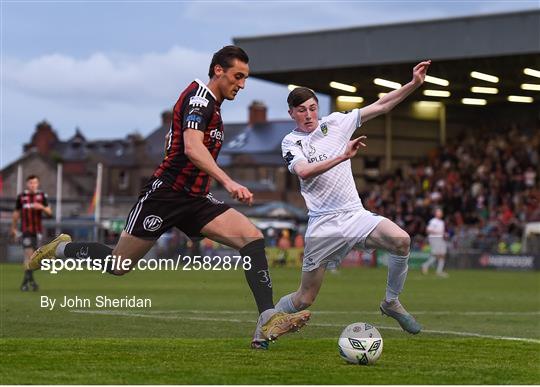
point(30, 206)
point(178, 196)
point(319, 153)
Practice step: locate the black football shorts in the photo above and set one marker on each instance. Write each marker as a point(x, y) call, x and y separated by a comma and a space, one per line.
point(30, 240)
point(160, 208)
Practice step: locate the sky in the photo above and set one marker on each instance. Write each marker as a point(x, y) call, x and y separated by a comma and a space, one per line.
point(111, 67)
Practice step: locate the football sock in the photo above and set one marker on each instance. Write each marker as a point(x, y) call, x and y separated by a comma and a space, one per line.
point(397, 273)
point(440, 265)
point(83, 250)
point(30, 275)
point(258, 276)
point(26, 277)
point(429, 262)
point(286, 304)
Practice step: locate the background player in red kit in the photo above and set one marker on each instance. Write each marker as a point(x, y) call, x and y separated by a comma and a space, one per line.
point(30, 206)
point(178, 195)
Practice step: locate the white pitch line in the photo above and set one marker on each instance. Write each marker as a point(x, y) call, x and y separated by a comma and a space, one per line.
point(434, 313)
point(157, 316)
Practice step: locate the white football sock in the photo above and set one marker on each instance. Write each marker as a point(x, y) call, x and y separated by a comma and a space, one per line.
point(60, 250)
point(429, 262)
point(397, 273)
point(286, 305)
point(440, 266)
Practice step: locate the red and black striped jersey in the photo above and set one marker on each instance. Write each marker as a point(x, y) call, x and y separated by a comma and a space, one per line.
point(197, 109)
point(31, 217)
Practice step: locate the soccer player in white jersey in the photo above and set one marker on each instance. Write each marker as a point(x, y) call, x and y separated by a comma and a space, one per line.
point(319, 152)
point(435, 230)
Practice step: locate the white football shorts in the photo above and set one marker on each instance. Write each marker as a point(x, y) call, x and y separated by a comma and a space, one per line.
point(329, 238)
point(438, 245)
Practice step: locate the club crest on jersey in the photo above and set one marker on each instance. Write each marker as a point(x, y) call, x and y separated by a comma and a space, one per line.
point(324, 128)
point(198, 100)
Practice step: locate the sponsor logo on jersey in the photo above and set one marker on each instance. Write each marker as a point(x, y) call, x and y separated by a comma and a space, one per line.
point(324, 128)
point(318, 158)
point(152, 223)
point(197, 100)
point(194, 118)
point(217, 134)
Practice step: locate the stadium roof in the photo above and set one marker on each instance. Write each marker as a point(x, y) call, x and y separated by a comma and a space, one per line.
point(498, 44)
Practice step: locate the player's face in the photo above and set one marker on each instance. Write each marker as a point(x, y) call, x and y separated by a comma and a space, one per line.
point(32, 185)
point(438, 214)
point(231, 80)
point(306, 115)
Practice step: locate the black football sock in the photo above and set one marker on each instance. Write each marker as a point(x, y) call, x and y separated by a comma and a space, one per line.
point(26, 277)
point(96, 251)
point(30, 275)
point(258, 276)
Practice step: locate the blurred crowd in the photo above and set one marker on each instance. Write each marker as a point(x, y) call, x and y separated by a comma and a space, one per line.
point(486, 183)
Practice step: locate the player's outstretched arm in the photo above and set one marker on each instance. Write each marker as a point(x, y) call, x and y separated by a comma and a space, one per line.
point(390, 100)
point(306, 170)
point(200, 156)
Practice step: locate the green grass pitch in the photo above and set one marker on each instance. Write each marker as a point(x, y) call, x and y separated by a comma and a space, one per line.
point(480, 327)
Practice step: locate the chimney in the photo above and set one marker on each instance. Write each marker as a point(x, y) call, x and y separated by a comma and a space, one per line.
point(43, 140)
point(166, 118)
point(257, 113)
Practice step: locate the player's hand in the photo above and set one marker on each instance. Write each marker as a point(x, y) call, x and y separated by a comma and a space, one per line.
point(240, 193)
point(14, 234)
point(419, 72)
point(353, 146)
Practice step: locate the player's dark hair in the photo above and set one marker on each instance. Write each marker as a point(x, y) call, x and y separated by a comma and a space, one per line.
point(300, 95)
point(32, 177)
point(225, 57)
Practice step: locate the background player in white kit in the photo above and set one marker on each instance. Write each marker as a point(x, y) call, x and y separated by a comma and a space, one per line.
point(435, 230)
point(319, 152)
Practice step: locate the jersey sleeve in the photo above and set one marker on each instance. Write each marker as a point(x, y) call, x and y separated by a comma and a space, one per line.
point(18, 203)
point(292, 153)
point(197, 113)
point(346, 121)
point(45, 200)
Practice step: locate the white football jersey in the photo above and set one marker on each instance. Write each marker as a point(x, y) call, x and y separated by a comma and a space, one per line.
point(333, 191)
point(435, 227)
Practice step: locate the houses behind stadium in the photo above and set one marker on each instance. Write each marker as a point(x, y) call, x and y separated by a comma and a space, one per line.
point(250, 154)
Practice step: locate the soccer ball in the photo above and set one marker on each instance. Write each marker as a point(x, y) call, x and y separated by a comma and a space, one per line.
point(360, 343)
